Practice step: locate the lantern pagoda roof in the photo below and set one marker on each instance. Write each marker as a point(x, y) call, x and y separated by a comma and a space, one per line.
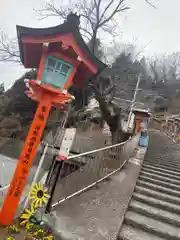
point(31, 42)
point(142, 112)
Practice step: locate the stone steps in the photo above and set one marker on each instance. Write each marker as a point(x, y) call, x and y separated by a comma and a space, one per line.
point(159, 182)
point(155, 187)
point(163, 196)
point(166, 163)
point(159, 177)
point(152, 226)
point(161, 173)
point(154, 209)
point(161, 170)
point(157, 203)
point(155, 213)
point(163, 160)
point(165, 166)
point(128, 232)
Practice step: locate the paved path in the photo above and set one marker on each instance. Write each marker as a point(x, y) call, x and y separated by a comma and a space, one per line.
point(154, 210)
point(98, 213)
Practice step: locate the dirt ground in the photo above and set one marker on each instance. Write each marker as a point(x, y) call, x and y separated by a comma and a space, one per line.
point(18, 236)
point(22, 235)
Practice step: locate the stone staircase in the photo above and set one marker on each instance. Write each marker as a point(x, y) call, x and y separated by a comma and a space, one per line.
point(154, 209)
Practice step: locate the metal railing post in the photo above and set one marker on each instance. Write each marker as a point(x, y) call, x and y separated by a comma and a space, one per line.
point(36, 175)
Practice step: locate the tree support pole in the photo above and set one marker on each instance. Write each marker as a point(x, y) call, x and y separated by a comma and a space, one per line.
point(25, 161)
point(134, 100)
point(58, 166)
point(50, 172)
point(52, 167)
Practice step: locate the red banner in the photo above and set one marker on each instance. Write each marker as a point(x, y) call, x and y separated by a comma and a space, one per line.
point(24, 164)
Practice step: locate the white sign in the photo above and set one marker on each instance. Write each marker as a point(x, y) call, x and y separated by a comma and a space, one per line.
point(3, 191)
point(93, 103)
point(131, 123)
point(67, 141)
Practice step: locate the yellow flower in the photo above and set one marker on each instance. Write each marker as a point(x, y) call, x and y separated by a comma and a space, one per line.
point(29, 227)
point(27, 215)
point(13, 229)
point(50, 237)
point(39, 195)
point(39, 233)
point(10, 238)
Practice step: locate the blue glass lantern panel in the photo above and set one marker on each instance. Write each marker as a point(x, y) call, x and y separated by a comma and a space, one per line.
point(56, 72)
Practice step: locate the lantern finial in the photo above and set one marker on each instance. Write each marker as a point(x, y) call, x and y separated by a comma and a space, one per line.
point(73, 19)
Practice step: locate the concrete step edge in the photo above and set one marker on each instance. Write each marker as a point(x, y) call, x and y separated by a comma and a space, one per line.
point(165, 159)
point(155, 213)
point(156, 176)
point(146, 226)
point(159, 167)
point(157, 203)
point(166, 165)
point(154, 163)
point(155, 194)
point(160, 173)
point(160, 182)
point(128, 232)
point(162, 166)
point(157, 187)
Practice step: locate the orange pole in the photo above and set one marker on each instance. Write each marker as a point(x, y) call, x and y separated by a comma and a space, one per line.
point(24, 164)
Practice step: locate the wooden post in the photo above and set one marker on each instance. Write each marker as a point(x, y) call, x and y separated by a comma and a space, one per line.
point(25, 161)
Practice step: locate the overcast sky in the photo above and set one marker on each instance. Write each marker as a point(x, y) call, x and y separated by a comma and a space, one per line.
point(141, 22)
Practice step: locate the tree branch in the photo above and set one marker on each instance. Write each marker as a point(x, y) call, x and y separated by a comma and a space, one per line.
point(116, 10)
point(97, 6)
point(105, 10)
point(93, 13)
point(86, 37)
point(87, 12)
point(86, 31)
point(152, 5)
point(8, 49)
point(49, 10)
point(110, 29)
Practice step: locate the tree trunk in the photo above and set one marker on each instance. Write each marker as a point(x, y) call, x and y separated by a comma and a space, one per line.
point(94, 41)
point(119, 136)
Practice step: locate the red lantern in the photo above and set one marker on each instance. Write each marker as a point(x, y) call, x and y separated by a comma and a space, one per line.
point(63, 59)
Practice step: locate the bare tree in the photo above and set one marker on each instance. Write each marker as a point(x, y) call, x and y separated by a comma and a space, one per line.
point(165, 78)
point(96, 15)
point(8, 49)
point(172, 63)
point(165, 68)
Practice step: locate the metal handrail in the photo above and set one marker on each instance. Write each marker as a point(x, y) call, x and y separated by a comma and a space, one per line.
point(96, 167)
point(99, 149)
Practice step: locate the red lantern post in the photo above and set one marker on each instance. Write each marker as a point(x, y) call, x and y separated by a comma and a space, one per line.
point(63, 59)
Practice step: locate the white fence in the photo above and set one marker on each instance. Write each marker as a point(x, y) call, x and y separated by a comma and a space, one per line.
point(96, 166)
